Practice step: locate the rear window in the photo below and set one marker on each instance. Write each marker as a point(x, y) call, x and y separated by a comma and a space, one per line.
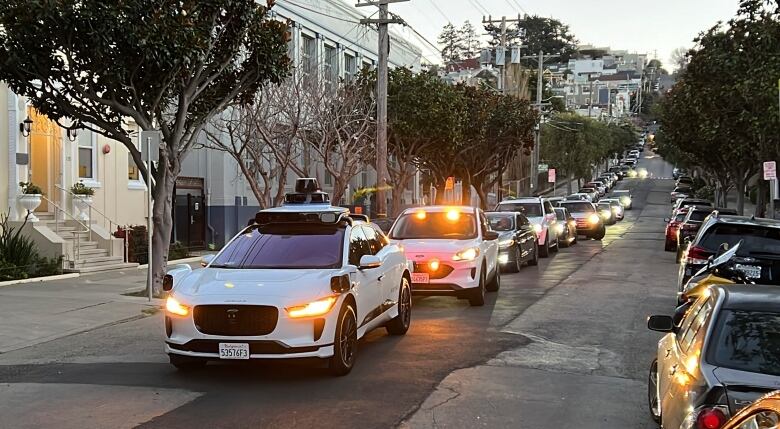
point(501, 221)
point(699, 215)
point(680, 217)
point(560, 214)
point(576, 207)
point(747, 341)
point(284, 247)
point(756, 240)
point(434, 225)
point(529, 209)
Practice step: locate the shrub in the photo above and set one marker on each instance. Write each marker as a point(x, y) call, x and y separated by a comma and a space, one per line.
point(18, 257)
point(79, 188)
point(137, 244)
point(706, 192)
point(177, 250)
point(30, 188)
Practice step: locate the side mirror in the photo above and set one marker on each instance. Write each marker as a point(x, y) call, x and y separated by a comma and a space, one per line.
point(370, 261)
point(723, 248)
point(490, 235)
point(667, 220)
point(660, 323)
point(206, 259)
point(167, 283)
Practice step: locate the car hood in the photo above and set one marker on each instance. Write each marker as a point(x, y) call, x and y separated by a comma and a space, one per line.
point(505, 235)
point(288, 283)
point(742, 387)
point(581, 215)
point(424, 249)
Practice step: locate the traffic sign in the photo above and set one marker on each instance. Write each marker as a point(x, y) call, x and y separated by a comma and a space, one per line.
point(543, 168)
point(150, 145)
point(449, 184)
point(770, 170)
point(551, 175)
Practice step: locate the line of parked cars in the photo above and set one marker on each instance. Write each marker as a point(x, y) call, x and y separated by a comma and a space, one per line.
point(719, 360)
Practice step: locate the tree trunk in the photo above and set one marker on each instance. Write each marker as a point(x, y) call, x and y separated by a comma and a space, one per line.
point(440, 193)
point(162, 220)
point(482, 196)
point(259, 195)
point(568, 184)
point(465, 192)
point(339, 185)
point(740, 193)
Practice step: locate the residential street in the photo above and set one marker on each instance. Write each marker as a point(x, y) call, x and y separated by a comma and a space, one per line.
point(553, 337)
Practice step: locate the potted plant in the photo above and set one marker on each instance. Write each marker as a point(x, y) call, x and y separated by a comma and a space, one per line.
point(30, 199)
point(82, 198)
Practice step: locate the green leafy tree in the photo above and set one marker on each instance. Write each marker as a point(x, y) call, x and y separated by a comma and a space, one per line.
point(167, 65)
point(452, 44)
point(471, 42)
point(549, 35)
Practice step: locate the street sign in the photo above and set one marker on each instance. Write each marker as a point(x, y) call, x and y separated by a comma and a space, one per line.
point(770, 170)
point(152, 137)
point(543, 168)
point(551, 175)
point(449, 184)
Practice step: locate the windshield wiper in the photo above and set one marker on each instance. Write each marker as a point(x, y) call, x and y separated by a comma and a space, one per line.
point(223, 266)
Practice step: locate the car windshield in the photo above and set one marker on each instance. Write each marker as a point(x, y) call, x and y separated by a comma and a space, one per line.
point(283, 246)
point(680, 217)
point(418, 225)
point(530, 209)
point(756, 239)
point(604, 206)
point(501, 221)
point(699, 215)
point(747, 341)
point(576, 207)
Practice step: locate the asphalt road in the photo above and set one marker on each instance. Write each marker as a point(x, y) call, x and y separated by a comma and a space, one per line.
point(568, 333)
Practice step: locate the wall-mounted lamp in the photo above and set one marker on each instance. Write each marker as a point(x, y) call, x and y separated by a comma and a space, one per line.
point(73, 134)
point(26, 127)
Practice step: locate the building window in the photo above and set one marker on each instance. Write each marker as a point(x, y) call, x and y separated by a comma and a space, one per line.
point(349, 67)
point(132, 169)
point(328, 178)
point(87, 159)
point(308, 55)
point(330, 66)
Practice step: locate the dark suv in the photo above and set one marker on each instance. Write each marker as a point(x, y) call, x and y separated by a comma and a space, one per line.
point(758, 255)
point(692, 223)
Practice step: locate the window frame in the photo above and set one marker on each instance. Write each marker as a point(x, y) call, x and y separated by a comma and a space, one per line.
point(93, 181)
point(135, 184)
point(355, 231)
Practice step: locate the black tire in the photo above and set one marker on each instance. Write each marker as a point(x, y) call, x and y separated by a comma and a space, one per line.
point(575, 239)
point(599, 235)
point(669, 246)
point(557, 246)
point(345, 342)
point(535, 260)
point(652, 392)
point(515, 264)
point(400, 323)
point(186, 363)
point(495, 282)
point(565, 242)
point(544, 249)
point(477, 297)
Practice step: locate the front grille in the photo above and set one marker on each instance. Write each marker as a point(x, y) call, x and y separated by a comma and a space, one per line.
point(235, 320)
point(443, 271)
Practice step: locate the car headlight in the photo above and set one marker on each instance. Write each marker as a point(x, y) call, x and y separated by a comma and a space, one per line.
point(506, 243)
point(312, 309)
point(466, 254)
point(625, 200)
point(559, 228)
point(594, 218)
point(175, 307)
point(573, 223)
point(538, 228)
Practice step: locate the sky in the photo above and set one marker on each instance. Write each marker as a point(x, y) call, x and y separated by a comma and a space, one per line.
point(655, 28)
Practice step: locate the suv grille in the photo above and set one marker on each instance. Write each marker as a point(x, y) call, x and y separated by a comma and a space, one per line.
point(235, 320)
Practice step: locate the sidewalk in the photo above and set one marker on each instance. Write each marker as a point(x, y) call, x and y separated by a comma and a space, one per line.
point(34, 313)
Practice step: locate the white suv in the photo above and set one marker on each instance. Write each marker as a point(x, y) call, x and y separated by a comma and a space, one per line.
point(453, 250)
point(541, 214)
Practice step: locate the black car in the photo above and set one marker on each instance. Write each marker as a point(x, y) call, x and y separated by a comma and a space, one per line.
point(692, 222)
point(759, 251)
point(723, 355)
point(384, 223)
point(567, 227)
point(617, 171)
point(517, 241)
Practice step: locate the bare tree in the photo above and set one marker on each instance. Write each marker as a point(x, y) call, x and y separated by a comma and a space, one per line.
point(340, 130)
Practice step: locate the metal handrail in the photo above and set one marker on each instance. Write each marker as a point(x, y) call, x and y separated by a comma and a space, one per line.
point(111, 223)
point(76, 233)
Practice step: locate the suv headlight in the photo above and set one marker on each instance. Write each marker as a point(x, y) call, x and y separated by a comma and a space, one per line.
point(506, 243)
point(594, 218)
point(175, 307)
point(538, 228)
point(312, 309)
point(466, 254)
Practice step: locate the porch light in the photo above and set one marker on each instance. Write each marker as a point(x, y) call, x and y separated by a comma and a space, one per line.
point(26, 127)
point(73, 133)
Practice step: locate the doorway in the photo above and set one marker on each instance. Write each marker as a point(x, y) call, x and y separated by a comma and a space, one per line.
point(189, 213)
point(45, 149)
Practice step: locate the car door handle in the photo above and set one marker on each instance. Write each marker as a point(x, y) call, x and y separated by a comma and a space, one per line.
point(379, 279)
point(673, 369)
point(668, 352)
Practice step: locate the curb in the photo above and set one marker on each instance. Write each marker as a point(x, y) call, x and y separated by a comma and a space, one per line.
point(40, 279)
point(175, 261)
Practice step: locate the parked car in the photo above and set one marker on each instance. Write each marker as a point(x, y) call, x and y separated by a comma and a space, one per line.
point(680, 192)
point(693, 221)
point(579, 197)
point(298, 268)
point(516, 240)
point(684, 181)
point(682, 202)
point(672, 226)
point(605, 211)
point(453, 249)
point(617, 208)
point(593, 192)
point(625, 197)
point(567, 227)
point(677, 172)
point(541, 215)
point(598, 186)
point(762, 414)
point(605, 181)
point(760, 248)
point(617, 171)
point(589, 222)
point(723, 356)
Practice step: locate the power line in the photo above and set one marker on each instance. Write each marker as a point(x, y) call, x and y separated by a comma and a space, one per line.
point(433, 2)
point(481, 9)
point(520, 7)
point(417, 33)
point(321, 13)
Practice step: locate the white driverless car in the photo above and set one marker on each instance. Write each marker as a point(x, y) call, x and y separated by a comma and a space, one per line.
point(541, 214)
point(303, 280)
point(453, 250)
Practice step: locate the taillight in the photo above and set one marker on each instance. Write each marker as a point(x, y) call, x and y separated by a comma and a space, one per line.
point(697, 255)
point(711, 418)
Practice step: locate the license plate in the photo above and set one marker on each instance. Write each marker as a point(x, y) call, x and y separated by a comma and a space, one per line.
point(424, 278)
point(233, 350)
point(750, 271)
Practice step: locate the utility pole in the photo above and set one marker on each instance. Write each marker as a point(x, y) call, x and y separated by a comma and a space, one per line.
point(503, 26)
point(381, 98)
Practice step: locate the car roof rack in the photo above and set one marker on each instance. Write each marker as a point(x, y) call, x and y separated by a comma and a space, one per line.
point(307, 205)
